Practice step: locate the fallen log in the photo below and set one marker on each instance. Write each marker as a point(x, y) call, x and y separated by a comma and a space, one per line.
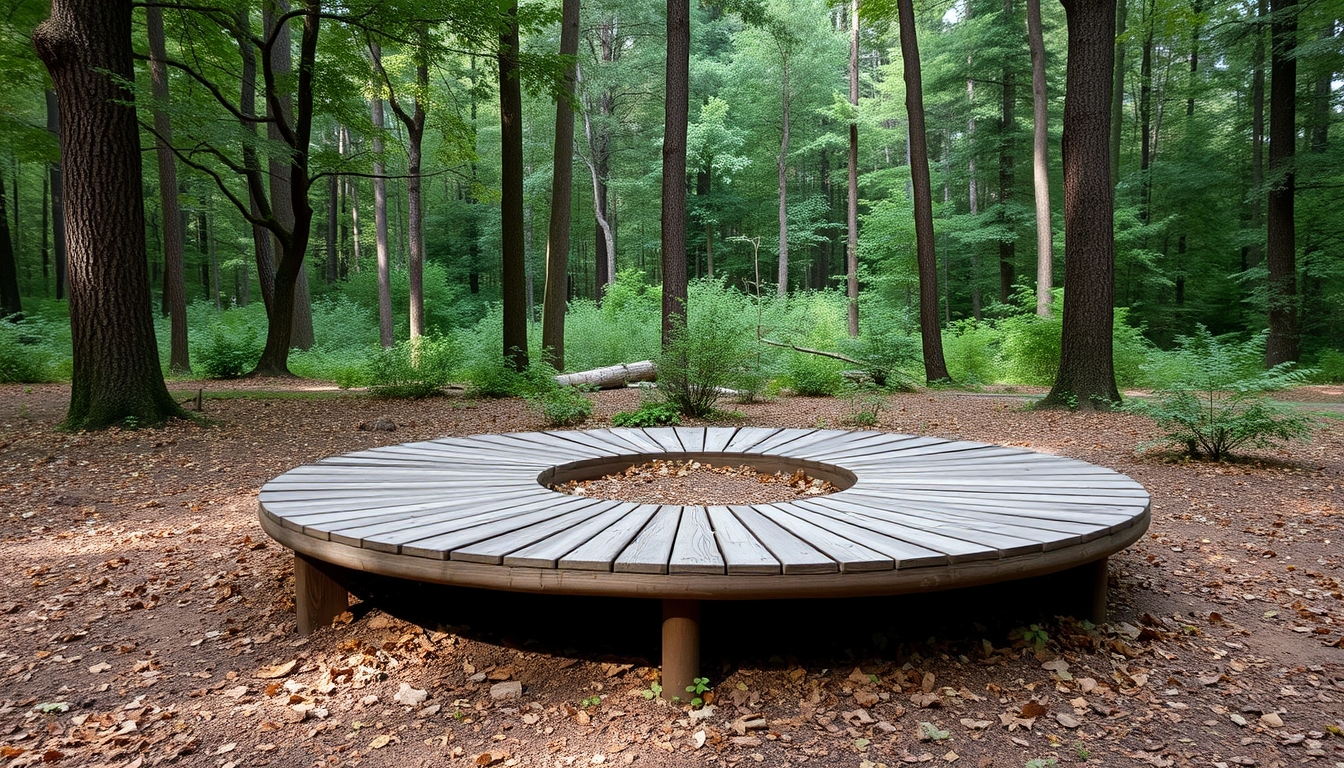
point(611, 377)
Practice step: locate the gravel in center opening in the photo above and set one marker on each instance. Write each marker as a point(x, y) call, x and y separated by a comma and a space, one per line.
point(697, 483)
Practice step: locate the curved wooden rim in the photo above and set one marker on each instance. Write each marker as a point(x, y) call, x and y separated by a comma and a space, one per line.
point(707, 586)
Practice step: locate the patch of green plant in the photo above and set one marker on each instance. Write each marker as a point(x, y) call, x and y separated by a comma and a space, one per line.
point(1329, 367)
point(561, 406)
point(814, 375)
point(1213, 398)
point(651, 413)
point(1034, 636)
point(697, 690)
point(414, 369)
point(653, 691)
point(1081, 751)
point(970, 349)
point(591, 701)
point(863, 402)
point(493, 375)
point(1037, 762)
point(25, 357)
point(227, 353)
point(930, 732)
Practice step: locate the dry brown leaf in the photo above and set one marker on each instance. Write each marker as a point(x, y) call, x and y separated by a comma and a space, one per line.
point(277, 670)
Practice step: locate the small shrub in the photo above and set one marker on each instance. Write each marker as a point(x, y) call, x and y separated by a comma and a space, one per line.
point(865, 402)
point(815, 376)
point(24, 358)
point(1213, 401)
point(414, 369)
point(699, 365)
point(1329, 367)
point(228, 353)
point(651, 413)
point(970, 349)
point(561, 406)
point(494, 376)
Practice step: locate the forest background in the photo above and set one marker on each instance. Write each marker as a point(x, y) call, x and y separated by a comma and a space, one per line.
point(415, 101)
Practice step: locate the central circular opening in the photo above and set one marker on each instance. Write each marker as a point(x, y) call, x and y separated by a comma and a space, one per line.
point(699, 479)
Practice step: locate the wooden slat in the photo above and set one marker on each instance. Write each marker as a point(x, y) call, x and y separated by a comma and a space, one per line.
point(694, 550)
point(982, 533)
point(795, 555)
point(1075, 508)
point(439, 545)
point(784, 440)
point(600, 551)
point(637, 438)
point(494, 549)
point(649, 551)
point(692, 438)
point(546, 552)
point(746, 438)
point(386, 532)
point(717, 438)
point(956, 550)
point(742, 553)
point(320, 524)
point(666, 438)
point(852, 557)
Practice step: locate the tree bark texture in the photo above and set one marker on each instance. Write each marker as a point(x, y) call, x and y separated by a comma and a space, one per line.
point(54, 175)
point(263, 253)
point(1118, 91)
point(513, 277)
point(1040, 161)
point(675, 116)
point(852, 211)
point(1280, 237)
point(385, 323)
point(179, 359)
point(562, 195)
point(935, 367)
point(1007, 136)
point(1086, 377)
point(783, 168)
point(1254, 252)
point(85, 45)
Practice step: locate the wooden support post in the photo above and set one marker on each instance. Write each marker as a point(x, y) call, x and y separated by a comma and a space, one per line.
point(681, 647)
point(1092, 583)
point(318, 596)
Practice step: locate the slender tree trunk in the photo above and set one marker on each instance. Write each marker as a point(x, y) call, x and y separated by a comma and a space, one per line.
point(972, 190)
point(213, 253)
point(1281, 241)
point(263, 254)
point(179, 359)
point(1007, 179)
point(1086, 378)
point(10, 303)
point(1146, 113)
point(783, 168)
point(514, 273)
point(1118, 90)
point(334, 206)
point(605, 235)
point(46, 231)
point(1040, 165)
point(676, 115)
point(54, 173)
point(385, 325)
point(562, 195)
point(116, 379)
point(415, 206)
point(351, 191)
point(852, 211)
point(935, 368)
point(1254, 253)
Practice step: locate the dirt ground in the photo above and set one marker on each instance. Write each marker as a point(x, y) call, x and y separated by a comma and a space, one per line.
point(147, 619)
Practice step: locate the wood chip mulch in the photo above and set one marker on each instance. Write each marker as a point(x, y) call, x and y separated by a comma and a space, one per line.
point(698, 483)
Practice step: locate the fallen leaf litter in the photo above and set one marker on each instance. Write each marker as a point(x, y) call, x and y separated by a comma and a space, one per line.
point(698, 483)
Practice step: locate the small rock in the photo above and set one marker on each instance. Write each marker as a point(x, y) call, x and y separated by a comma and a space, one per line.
point(1238, 719)
point(379, 425)
point(1271, 720)
point(1067, 720)
point(508, 691)
point(865, 697)
point(410, 697)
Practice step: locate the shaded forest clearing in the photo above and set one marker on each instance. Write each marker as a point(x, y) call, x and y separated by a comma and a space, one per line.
point(150, 617)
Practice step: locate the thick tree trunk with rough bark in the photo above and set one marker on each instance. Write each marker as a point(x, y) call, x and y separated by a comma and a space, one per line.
point(1086, 378)
point(675, 116)
point(935, 367)
point(174, 290)
point(1118, 90)
point(562, 195)
point(514, 273)
point(1040, 161)
point(86, 46)
point(263, 254)
point(54, 175)
point(1280, 240)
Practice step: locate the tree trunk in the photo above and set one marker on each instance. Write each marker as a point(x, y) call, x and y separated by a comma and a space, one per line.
point(935, 368)
point(604, 233)
point(1280, 240)
point(46, 230)
point(86, 46)
point(514, 272)
point(1146, 113)
point(562, 195)
point(612, 376)
point(263, 254)
point(852, 212)
point(1007, 179)
point(783, 168)
point(1254, 253)
point(58, 245)
point(676, 115)
point(10, 303)
point(1086, 378)
point(1118, 91)
point(385, 325)
point(335, 205)
point(179, 360)
point(1040, 165)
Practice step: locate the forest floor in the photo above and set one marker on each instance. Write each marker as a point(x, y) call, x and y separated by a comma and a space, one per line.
point(148, 619)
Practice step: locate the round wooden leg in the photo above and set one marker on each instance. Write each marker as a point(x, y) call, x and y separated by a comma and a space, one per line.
point(1095, 574)
point(681, 647)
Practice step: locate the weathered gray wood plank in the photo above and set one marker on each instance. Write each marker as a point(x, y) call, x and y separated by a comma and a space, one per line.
point(746, 438)
point(903, 553)
point(694, 550)
point(602, 549)
point(494, 549)
point(742, 553)
point(666, 438)
point(852, 557)
point(637, 438)
point(459, 534)
point(795, 555)
point(546, 552)
point(649, 551)
point(717, 438)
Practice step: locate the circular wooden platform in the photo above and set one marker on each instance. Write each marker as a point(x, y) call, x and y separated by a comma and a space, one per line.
point(915, 514)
